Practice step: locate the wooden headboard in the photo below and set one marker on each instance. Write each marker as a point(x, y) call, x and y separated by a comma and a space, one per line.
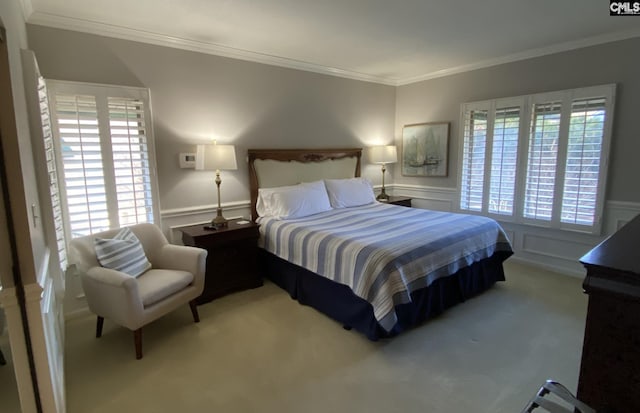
point(279, 167)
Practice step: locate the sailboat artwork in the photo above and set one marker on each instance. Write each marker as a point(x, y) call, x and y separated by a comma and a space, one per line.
point(425, 148)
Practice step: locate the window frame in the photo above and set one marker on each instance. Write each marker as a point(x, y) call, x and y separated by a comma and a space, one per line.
point(526, 104)
point(102, 93)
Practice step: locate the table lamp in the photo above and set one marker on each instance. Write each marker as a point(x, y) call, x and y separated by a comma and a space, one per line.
point(216, 157)
point(383, 155)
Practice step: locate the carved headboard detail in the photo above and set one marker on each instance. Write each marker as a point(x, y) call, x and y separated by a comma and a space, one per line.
point(287, 167)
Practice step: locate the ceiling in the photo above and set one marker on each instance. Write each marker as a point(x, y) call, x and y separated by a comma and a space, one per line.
point(383, 41)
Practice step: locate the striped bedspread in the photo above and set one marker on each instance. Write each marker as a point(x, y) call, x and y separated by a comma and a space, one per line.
point(383, 252)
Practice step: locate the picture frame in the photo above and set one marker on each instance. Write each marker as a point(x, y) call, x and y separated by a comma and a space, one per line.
point(425, 149)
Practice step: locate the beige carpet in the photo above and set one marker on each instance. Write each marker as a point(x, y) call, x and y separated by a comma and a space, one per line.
point(260, 351)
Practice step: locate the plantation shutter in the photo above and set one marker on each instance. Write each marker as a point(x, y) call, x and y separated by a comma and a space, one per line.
point(538, 159)
point(504, 161)
point(52, 173)
point(106, 156)
point(473, 159)
point(81, 154)
point(131, 161)
point(581, 180)
point(542, 160)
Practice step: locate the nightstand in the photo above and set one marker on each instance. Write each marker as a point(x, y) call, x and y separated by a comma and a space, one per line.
point(400, 200)
point(232, 259)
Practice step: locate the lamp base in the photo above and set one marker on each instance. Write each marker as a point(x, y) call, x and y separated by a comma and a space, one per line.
point(219, 221)
point(383, 197)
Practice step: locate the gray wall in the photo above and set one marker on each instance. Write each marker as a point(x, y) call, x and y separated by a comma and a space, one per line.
point(197, 96)
point(440, 99)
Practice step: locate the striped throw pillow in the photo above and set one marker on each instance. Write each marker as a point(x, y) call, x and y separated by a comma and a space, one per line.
point(122, 253)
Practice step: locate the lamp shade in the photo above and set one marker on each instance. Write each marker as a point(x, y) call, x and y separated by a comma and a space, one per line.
point(384, 154)
point(216, 157)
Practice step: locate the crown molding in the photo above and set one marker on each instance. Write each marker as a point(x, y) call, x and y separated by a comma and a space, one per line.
point(27, 9)
point(119, 32)
point(527, 54)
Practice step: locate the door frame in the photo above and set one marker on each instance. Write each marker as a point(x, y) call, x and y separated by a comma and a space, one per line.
point(13, 296)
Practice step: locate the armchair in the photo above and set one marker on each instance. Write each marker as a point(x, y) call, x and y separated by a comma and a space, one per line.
point(175, 278)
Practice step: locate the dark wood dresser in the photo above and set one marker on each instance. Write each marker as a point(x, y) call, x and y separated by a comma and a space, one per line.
point(610, 370)
point(232, 259)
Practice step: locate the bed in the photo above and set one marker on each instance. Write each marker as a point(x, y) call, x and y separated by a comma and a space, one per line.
point(377, 268)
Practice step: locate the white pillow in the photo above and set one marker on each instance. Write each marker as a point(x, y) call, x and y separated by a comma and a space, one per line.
point(351, 192)
point(299, 201)
point(123, 253)
point(265, 199)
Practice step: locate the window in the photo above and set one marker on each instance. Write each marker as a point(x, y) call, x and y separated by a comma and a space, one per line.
point(583, 167)
point(504, 156)
point(474, 148)
point(104, 149)
point(542, 161)
point(538, 159)
point(131, 163)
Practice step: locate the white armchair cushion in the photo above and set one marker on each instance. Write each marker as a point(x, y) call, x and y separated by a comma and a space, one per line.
point(122, 253)
point(156, 285)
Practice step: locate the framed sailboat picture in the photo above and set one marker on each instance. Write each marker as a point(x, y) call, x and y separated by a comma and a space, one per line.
point(425, 149)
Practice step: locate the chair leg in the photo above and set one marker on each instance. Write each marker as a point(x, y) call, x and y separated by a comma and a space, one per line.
point(137, 337)
point(2, 359)
point(194, 311)
point(99, 327)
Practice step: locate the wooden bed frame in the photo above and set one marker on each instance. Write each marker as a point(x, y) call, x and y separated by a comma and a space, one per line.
point(337, 300)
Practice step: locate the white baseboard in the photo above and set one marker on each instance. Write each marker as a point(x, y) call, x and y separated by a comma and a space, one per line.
point(572, 272)
point(78, 313)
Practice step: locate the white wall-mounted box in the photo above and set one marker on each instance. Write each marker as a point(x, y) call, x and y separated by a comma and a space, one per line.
point(187, 160)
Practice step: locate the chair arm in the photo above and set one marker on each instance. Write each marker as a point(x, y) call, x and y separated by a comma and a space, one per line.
point(114, 295)
point(111, 277)
point(182, 258)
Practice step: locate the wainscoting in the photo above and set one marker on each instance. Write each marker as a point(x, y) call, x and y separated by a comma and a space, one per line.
point(555, 250)
point(46, 332)
point(174, 219)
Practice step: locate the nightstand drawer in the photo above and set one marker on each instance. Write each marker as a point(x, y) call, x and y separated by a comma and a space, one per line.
point(231, 268)
point(232, 259)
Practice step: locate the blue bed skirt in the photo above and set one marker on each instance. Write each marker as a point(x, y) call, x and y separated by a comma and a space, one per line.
point(340, 303)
